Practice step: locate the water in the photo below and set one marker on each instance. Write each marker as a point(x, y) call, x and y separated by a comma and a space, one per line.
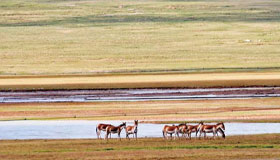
point(60, 129)
point(135, 95)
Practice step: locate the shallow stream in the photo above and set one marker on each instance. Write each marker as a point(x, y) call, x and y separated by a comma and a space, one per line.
point(69, 129)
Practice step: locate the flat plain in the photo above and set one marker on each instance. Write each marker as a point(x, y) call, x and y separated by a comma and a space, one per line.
point(70, 44)
point(84, 37)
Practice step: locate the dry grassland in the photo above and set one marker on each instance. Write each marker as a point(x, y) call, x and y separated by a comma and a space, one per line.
point(78, 37)
point(234, 147)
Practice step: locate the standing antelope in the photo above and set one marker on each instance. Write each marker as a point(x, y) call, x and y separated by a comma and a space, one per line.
point(170, 130)
point(182, 129)
point(132, 130)
point(193, 128)
point(219, 127)
point(101, 127)
point(112, 129)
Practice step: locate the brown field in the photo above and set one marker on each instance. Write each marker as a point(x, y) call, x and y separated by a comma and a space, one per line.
point(140, 81)
point(233, 147)
point(255, 110)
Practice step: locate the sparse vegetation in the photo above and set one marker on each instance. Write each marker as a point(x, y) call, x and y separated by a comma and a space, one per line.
point(83, 37)
point(233, 147)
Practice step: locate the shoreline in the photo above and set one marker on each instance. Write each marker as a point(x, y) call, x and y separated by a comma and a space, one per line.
point(259, 109)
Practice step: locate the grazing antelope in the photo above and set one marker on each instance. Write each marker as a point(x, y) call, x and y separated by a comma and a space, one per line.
point(101, 127)
point(219, 130)
point(170, 130)
point(219, 127)
point(112, 129)
point(132, 130)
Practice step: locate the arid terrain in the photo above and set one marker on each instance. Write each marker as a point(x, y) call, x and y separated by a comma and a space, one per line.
point(234, 147)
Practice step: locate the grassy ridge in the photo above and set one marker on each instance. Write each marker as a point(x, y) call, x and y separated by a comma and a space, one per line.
point(234, 147)
point(76, 37)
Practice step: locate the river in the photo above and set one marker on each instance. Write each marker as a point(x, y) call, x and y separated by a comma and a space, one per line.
point(69, 129)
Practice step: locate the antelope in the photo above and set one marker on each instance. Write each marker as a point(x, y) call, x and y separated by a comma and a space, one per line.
point(219, 127)
point(189, 129)
point(193, 128)
point(170, 130)
point(101, 127)
point(182, 129)
point(219, 130)
point(132, 130)
point(112, 129)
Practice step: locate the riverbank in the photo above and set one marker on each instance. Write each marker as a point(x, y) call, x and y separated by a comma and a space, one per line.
point(227, 110)
point(234, 147)
point(195, 80)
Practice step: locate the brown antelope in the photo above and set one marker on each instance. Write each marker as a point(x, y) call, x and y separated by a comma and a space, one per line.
point(219, 127)
point(182, 129)
point(170, 130)
point(188, 129)
point(193, 129)
point(112, 129)
point(101, 127)
point(132, 130)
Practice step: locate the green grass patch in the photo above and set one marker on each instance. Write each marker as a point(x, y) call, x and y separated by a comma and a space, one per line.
point(108, 149)
point(253, 146)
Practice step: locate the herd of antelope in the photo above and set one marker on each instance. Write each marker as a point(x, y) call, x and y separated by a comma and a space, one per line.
point(109, 129)
point(183, 129)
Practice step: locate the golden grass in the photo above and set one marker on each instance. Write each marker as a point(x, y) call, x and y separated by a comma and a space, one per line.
point(72, 37)
point(234, 147)
point(140, 81)
point(246, 110)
